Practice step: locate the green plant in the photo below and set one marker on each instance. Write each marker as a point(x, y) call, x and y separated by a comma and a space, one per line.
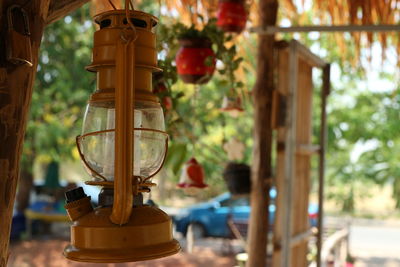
point(350, 258)
point(170, 34)
point(203, 132)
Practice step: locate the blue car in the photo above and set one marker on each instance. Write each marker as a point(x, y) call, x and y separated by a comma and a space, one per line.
point(210, 218)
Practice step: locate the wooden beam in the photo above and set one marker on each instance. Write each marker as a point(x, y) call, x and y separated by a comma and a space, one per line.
point(328, 28)
point(282, 85)
point(297, 239)
point(332, 242)
point(14, 108)
point(261, 166)
point(290, 149)
point(304, 53)
point(16, 87)
point(326, 88)
point(305, 149)
point(60, 8)
point(294, 150)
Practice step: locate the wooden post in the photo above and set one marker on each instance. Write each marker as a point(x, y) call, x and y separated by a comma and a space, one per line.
point(261, 165)
point(15, 97)
point(321, 168)
point(290, 144)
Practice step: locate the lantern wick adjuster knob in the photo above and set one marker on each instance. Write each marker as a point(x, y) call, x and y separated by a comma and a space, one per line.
point(75, 194)
point(78, 203)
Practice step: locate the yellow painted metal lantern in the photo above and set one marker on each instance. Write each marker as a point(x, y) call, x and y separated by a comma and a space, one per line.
point(123, 145)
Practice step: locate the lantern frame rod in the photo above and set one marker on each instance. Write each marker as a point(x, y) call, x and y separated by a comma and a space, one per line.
point(96, 174)
point(270, 30)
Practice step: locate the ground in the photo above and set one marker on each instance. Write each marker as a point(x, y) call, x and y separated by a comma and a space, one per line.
point(374, 243)
point(40, 253)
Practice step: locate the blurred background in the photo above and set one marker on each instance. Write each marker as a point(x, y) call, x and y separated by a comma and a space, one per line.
point(362, 174)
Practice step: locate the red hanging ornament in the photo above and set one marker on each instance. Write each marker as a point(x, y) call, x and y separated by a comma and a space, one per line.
point(231, 15)
point(195, 60)
point(192, 175)
point(167, 102)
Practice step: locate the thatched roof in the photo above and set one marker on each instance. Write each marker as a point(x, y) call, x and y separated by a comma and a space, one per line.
point(329, 12)
point(325, 12)
point(349, 12)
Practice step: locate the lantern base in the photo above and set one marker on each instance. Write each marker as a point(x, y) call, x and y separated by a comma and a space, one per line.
point(127, 255)
point(147, 235)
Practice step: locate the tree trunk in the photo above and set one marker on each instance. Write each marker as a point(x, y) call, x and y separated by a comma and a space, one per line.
point(261, 166)
point(13, 115)
point(16, 84)
point(25, 184)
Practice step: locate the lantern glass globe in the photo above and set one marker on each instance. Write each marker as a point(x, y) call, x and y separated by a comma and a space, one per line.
point(97, 141)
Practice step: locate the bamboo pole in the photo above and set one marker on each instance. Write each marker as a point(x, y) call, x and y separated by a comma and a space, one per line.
point(327, 28)
point(261, 166)
point(290, 160)
point(321, 169)
point(16, 85)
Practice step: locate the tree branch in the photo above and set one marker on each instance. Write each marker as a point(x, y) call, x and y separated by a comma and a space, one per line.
point(60, 8)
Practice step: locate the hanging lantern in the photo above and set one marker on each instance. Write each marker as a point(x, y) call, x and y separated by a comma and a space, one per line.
point(192, 177)
point(231, 15)
point(195, 60)
point(122, 146)
point(232, 104)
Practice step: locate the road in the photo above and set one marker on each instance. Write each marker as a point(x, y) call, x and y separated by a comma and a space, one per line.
point(375, 246)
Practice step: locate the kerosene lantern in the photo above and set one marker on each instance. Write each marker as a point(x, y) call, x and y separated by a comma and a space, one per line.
point(122, 146)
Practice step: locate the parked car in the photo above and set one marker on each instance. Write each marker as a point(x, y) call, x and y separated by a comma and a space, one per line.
point(210, 218)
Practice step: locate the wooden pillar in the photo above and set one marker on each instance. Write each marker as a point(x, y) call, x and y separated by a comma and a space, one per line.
point(261, 165)
point(326, 88)
point(16, 84)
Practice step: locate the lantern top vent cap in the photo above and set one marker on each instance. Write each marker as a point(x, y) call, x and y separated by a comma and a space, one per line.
point(117, 18)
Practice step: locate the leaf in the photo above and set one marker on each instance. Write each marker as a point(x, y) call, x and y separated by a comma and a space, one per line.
point(176, 156)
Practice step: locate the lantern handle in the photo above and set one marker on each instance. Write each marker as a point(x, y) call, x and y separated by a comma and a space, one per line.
point(112, 4)
point(128, 3)
point(124, 130)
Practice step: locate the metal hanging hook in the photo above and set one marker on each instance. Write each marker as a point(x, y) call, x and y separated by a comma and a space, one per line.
point(112, 4)
point(124, 35)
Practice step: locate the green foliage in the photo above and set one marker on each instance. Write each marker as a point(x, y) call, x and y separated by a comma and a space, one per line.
point(362, 122)
point(196, 126)
point(357, 117)
point(363, 141)
point(177, 155)
point(61, 89)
